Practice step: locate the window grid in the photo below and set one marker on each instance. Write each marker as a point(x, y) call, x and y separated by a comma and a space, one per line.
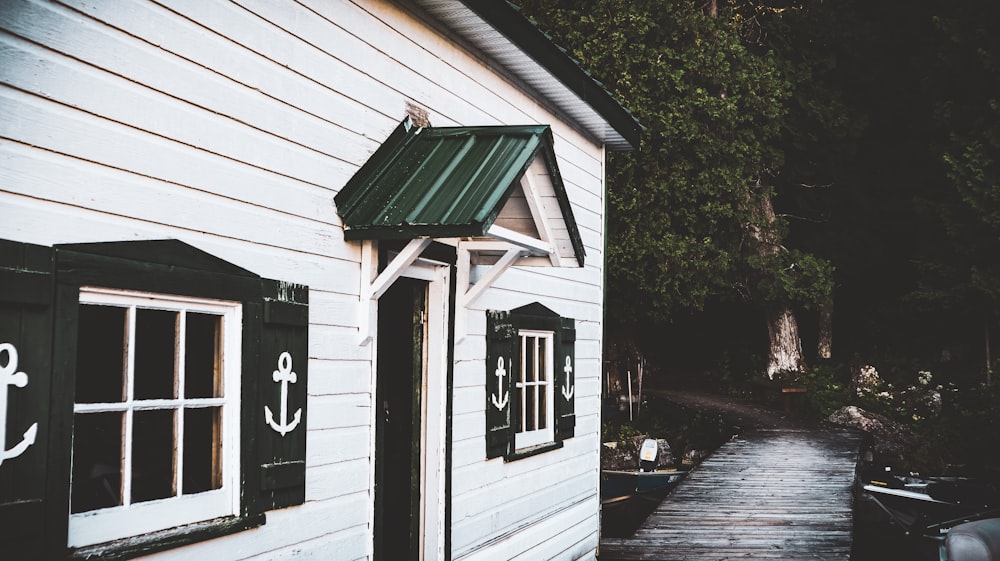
point(535, 388)
point(227, 353)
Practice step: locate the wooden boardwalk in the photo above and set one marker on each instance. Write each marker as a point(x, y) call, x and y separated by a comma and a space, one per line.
point(771, 493)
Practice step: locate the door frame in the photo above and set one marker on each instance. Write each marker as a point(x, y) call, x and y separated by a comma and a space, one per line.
point(433, 408)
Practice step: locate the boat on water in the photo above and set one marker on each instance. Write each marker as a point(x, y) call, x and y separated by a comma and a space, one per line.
point(925, 508)
point(649, 480)
point(619, 486)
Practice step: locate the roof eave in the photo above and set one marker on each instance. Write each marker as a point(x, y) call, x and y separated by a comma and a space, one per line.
point(494, 25)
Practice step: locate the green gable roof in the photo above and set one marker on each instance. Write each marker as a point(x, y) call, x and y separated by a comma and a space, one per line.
point(443, 182)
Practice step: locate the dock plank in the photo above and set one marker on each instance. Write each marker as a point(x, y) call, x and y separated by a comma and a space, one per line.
point(771, 493)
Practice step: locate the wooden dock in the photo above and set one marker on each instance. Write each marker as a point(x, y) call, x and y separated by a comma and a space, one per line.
point(770, 493)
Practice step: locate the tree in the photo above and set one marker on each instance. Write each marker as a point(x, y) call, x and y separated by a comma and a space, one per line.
point(685, 222)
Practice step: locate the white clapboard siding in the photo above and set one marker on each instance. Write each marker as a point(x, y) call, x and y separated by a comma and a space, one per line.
point(337, 377)
point(573, 525)
point(212, 49)
point(330, 481)
point(40, 123)
point(48, 176)
point(333, 519)
point(105, 92)
point(544, 473)
point(343, 546)
point(332, 308)
point(49, 223)
point(301, 55)
point(331, 446)
point(339, 411)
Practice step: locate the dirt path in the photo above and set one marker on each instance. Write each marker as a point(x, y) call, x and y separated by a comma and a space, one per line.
point(742, 414)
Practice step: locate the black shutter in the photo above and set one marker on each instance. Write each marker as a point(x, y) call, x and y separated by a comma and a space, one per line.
point(565, 376)
point(26, 292)
point(501, 368)
point(282, 383)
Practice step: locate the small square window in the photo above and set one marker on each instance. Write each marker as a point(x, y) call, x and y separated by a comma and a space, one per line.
point(534, 390)
point(156, 415)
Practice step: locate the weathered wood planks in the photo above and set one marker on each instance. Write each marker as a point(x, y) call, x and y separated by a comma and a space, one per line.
point(770, 494)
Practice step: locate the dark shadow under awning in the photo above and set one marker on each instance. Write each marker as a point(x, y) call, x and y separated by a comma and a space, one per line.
point(469, 183)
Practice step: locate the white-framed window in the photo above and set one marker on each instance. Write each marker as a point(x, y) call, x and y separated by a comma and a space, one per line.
point(535, 389)
point(156, 439)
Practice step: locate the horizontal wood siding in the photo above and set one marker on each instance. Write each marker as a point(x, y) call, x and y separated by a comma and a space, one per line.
point(231, 126)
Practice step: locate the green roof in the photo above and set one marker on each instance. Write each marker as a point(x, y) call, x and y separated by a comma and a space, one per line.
point(444, 182)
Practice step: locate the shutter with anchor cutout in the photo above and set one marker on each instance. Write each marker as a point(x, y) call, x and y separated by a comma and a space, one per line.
point(565, 377)
point(501, 361)
point(282, 383)
point(26, 279)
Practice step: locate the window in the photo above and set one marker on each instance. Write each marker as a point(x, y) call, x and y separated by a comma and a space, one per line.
point(534, 389)
point(164, 398)
point(155, 415)
point(529, 401)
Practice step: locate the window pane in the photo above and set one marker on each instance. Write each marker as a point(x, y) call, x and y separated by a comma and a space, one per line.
point(97, 454)
point(153, 455)
point(155, 348)
point(201, 352)
point(529, 408)
point(529, 359)
point(542, 404)
point(202, 449)
point(543, 379)
point(541, 359)
point(100, 356)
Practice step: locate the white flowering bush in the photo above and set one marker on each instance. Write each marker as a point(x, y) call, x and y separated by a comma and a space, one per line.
point(921, 400)
point(915, 402)
point(871, 389)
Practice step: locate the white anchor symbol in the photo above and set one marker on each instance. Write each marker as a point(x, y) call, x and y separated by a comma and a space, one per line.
point(9, 376)
point(500, 399)
point(284, 375)
point(567, 389)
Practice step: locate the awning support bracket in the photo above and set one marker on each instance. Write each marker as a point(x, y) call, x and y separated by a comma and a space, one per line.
point(371, 292)
point(467, 295)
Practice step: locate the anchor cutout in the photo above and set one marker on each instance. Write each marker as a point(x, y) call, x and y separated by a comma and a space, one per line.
point(500, 398)
point(568, 389)
point(9, 376)
point(284, 375)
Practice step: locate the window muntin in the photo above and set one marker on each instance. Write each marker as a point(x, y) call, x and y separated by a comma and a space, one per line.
point(156, 415)
point(534, 388)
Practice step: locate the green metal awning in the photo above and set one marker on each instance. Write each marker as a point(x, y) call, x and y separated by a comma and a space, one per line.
point(455, 182)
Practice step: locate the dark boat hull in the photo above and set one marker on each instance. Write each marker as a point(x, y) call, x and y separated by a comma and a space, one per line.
point(619, 486)
point(924, 509)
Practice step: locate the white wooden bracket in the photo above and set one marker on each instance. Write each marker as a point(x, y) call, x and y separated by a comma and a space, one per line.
point(535, 246)
point(467, 295)
point(371, 291)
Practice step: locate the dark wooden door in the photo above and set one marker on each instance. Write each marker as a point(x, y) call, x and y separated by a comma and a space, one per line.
point(400, 373)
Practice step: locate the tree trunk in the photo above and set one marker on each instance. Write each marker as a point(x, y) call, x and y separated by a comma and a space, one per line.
point(786, 345)
point(824, 345)
point(783, 330)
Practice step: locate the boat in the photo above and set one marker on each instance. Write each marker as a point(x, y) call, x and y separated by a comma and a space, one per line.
point(925, 508)
point(649, 480)
point(618, 486)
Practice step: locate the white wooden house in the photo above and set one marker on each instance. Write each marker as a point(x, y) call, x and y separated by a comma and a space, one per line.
point(310, 279)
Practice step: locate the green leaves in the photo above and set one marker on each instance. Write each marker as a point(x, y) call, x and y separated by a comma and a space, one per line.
point(714, 106)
